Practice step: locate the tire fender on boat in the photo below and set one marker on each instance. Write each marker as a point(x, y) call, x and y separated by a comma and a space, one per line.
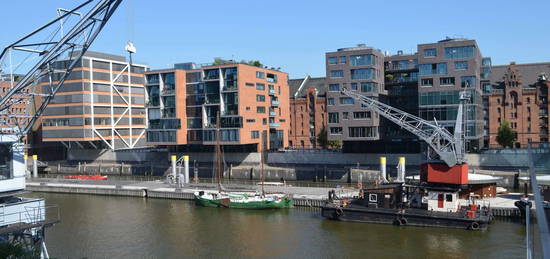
point(403, 221)
point(474, 226)
point(339, 212)
point(397, 222)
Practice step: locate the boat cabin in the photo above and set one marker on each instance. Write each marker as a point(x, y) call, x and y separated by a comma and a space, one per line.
point(387, 196)
point(443, 200)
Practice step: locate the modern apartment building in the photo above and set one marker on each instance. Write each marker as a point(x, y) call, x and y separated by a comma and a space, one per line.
point(519, 94)
point(308, 112)
point(183, 103)
point(359, 69)
point(446, 68)
point(100, 105)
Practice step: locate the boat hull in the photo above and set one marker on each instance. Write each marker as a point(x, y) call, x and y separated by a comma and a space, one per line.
point(227, 203)
point(409, 217)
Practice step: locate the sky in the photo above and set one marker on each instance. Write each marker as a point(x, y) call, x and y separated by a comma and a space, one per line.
point(294, 35)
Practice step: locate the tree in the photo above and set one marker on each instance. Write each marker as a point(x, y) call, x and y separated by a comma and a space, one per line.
point(335, 144)
point(506, 137)
point(322, 137)
point(255, 63)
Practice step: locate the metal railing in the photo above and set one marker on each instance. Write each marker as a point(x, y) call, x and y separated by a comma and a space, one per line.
point(31, 215)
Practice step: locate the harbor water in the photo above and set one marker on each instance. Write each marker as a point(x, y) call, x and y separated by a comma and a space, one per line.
point(121, 227)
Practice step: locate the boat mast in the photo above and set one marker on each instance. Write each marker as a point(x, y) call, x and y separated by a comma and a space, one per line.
point(218, 153)
point(262, 153)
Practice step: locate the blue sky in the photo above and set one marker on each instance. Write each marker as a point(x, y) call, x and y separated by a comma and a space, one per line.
point(294, 35)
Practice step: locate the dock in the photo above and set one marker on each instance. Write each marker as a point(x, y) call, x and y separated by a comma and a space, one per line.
point(313, 197)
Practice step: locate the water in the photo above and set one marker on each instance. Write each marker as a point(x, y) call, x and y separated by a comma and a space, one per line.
point(120, 227)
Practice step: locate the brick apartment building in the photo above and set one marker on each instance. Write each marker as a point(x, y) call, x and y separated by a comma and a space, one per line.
point(427, 83)
point(519, 95)
point(183, 103)
point(308, 113)
point(101, 105)
point(17, 114)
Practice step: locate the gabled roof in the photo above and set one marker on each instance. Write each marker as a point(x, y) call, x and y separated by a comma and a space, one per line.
point(312, 82)
point(529, 72)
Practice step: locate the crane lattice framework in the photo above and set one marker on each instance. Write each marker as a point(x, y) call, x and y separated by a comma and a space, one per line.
point(444, 145)
point(47, 55)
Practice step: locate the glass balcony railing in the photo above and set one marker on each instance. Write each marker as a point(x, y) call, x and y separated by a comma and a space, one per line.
point(275, 103)
point(272, 114)
point(273, 125)
point(272, 92)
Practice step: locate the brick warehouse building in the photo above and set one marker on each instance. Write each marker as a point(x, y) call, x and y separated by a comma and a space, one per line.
point(308, 113)
point(519, 94)
point(183, 103)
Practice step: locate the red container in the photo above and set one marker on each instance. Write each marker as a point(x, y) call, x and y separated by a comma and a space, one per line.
point(441, 173)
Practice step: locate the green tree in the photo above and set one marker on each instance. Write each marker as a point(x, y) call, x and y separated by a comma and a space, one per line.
point(255, 63)
point(335, 144)
point(322, 137)
point(506, 137)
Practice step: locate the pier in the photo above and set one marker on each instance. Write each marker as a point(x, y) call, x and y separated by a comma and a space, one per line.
point(314, 197)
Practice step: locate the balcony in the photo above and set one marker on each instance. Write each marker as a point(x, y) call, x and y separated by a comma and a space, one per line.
point(168, 92)
point(272, 92)
point(275, 103)
point(273, 125)
point(272, 114)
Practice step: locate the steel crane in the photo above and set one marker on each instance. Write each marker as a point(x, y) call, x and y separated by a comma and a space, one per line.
point(445, 146)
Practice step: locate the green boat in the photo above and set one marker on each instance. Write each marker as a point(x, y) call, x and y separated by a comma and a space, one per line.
point(243, 200)
point(224, 199)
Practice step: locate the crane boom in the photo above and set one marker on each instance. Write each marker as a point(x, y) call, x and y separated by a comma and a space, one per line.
point(48, 55)
point(446, 145)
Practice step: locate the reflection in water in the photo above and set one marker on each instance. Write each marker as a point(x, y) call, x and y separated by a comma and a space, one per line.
point(108, 227)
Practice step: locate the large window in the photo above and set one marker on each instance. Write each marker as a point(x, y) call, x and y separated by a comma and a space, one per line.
point(362, 132)
point(362, 60)
point(362, 74)
point(333, 60)
point(459, 52)
point(336, 73)
point(438, 98)
point(333, 117)
point(260, 86)
point(260, 109)
point(343, 60)
point(430, 52)
point(461, 65)
point(361, 115)
point(5, 161)
point(330, 101)
point(346, 100)
point(260, 98)
point(369, 87)
point(336, 130)
point(334, 87)
point(447, 81)
point(468, 81)
point(426, 82)
point(260, 74)
point(255, 134)
point(430, 69)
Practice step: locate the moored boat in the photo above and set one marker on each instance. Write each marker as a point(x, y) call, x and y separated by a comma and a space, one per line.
point(86, 177)
point(402, 205)
point(243, 200)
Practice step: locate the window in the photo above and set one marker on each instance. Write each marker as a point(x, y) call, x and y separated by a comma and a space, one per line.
point(260, 74)
point(336, 130)
point(441, 68)
point(250, 120)
point(332, 60)
point(330, 101)
point(353, 86)
point(369, 87)
point(468, 81)
point(346, 100)
point(459, 52)
point(447, 81)
point(260, 86)
point(430, 69)
point(461, 65)
point(333, 117)
point(255, 134)
point(334, 87)
point(336, 73)
point(449, 197)
point(264, 121)
point(362, 73)
point(427, 82)
point(373, 197)
point(361, 115)
point(430, 52)
point(249, 84)
point(343, 60)
point(362, 60)
point(260, 109)
point(345, 115)
point(260, 98)
point(248, 108)
point(362, 132)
